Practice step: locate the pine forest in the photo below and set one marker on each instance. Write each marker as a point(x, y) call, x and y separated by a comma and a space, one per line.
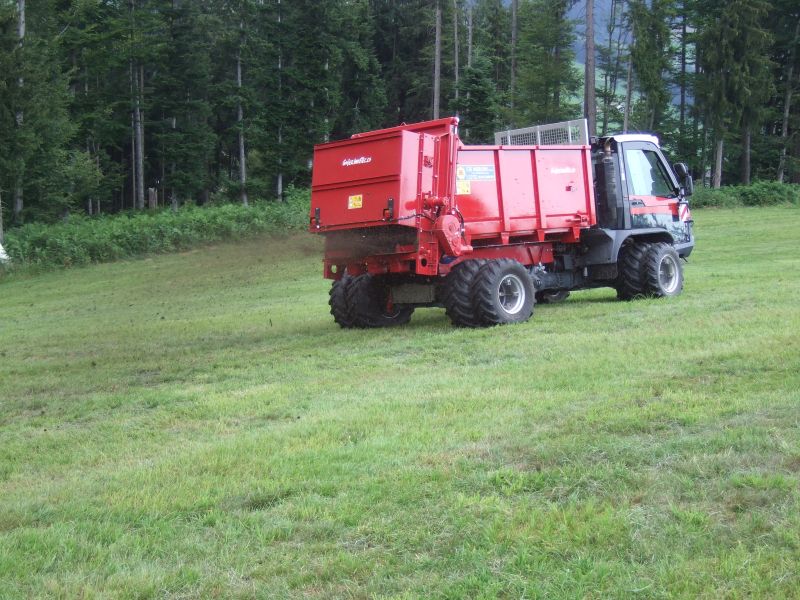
point(111, 105)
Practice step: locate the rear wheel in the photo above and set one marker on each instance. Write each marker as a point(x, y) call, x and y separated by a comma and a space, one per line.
point(456, 296)
point(338, 301)
point(503, 293)
point(630, 280)
point(369, 304)
point(663, 271)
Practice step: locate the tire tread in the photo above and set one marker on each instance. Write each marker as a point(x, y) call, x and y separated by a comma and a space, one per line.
point(338, 301)
point(630, 283)
point(456, 293)
point(363, 305)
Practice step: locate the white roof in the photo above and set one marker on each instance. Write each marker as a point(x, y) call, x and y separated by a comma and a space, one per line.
point(636, 137)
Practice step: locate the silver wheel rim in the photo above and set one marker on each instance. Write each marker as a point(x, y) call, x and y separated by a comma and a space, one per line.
point(668, 274)
point(511, 294)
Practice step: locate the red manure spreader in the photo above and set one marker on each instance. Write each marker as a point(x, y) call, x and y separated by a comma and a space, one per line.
point(412, 217)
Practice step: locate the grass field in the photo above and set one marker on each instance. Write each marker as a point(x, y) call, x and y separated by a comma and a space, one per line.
point(195, 425)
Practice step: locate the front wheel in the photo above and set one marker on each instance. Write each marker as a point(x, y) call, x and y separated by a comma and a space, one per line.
point(502, 293)
point(551, 297)
point(663, 271)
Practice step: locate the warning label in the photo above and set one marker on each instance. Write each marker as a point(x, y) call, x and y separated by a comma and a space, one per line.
point(463, 188)
point(475, 173)
point(355, 201)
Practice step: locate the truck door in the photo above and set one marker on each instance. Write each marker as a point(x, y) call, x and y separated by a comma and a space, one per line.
point(653, 191)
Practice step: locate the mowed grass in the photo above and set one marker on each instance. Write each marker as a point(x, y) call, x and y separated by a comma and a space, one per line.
point(196, 425)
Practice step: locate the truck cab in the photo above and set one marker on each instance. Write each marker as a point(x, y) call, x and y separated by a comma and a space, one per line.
point(638, 193)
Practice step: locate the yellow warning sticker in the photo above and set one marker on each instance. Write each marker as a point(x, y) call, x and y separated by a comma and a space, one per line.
point(463, 188)
point(355, 201)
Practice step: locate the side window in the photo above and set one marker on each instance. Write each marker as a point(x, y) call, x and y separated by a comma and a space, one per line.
point(646, 175)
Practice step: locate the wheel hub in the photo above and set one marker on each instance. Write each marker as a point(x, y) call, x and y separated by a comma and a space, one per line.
point(511, 294)
point(668, 274)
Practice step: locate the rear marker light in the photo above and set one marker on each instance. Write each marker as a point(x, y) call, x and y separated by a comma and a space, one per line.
point(388, 212)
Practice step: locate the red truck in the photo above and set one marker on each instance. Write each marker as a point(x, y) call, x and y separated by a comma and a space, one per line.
point(413, 217)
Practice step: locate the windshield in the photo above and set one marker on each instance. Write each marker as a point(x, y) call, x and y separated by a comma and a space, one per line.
point(646, 174)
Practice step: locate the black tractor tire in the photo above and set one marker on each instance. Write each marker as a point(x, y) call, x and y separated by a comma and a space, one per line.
point(551, 297)
point(368, 304)
point(338, 301)
point(503, 293)
point(456, 296)
point(663, 271)
point(630, 280)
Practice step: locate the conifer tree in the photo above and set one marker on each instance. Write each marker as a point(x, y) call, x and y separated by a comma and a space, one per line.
point(548, 81)
point(651, 58)
point(731, 52)
point(589, 98)
point(477, 103)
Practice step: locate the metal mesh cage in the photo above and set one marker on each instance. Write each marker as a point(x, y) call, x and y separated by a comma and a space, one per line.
point(555, 134)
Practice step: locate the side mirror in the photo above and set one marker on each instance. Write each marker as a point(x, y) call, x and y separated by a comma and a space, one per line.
point(688, 186)
point(685, 178)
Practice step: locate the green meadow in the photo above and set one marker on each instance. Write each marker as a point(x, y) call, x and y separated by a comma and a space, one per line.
point(195, 425)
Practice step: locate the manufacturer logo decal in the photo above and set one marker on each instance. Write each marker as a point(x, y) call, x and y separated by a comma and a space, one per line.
point(475, 173)
point(361, 160)
point(355, 201)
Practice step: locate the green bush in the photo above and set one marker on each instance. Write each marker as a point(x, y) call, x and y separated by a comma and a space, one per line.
point(761, 193)
point(84, 240)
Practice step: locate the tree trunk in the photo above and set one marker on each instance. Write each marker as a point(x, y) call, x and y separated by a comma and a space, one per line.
point(90, 200)
point(513, 83)
point(608, 76)
point(20, 116)
point(787, 103)
point(469, 36)
point(139, 130)
point(628, 93)
point(718, 148)
point(703, 146)
point(174, 201)
point(747, 136)
point(133, 158)
point(279, 179)
point(240, 121)
point(589, 100)
point(2, 231)
point(629, 84)
point(437, 62)
point(796, 172)
point(556, 82)
point(683, 75)
point(455, 45)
